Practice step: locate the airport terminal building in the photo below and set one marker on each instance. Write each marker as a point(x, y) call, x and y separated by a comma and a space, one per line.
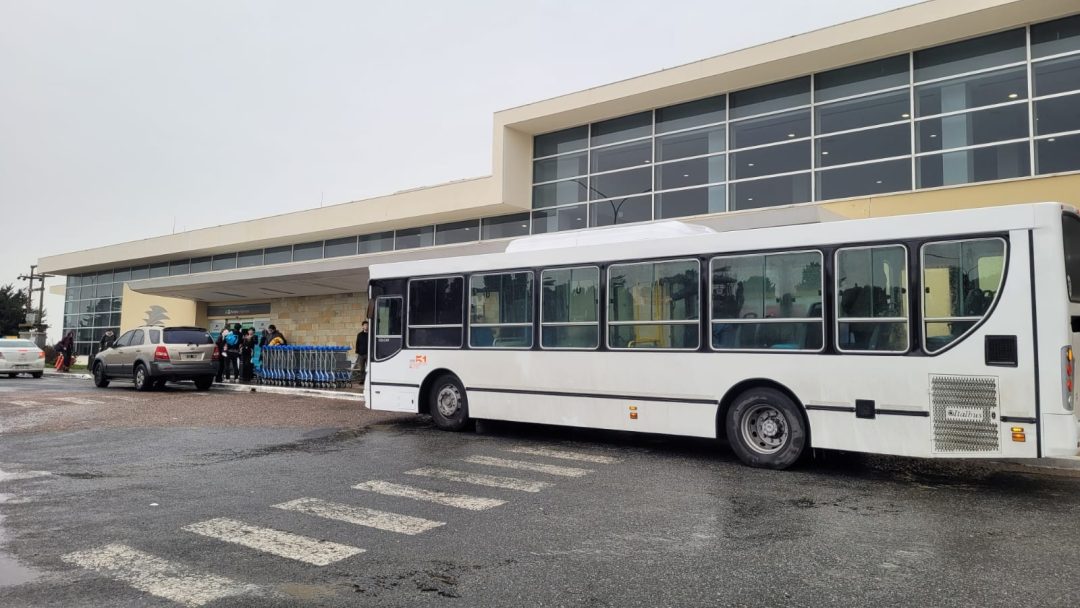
point(941, 105)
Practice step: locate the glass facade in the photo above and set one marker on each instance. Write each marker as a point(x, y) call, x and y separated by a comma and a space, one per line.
point(1001, 106)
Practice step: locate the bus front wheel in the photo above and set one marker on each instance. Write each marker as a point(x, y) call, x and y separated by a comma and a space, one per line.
point(765, 429)
point(449, 406)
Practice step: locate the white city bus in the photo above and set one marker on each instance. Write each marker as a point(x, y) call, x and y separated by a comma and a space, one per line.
point(944, 334)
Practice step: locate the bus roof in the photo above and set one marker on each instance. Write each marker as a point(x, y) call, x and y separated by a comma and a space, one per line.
point(670, 238)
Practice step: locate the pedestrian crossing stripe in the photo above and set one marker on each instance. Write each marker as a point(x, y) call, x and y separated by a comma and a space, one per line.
point(461, 501)
point(564, 455)
point(276, 542)
point(480, 479)
point(361, 516)
point(523, 465)
point(156, 576)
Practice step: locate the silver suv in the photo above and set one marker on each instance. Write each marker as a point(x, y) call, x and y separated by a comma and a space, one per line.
point(153, 355)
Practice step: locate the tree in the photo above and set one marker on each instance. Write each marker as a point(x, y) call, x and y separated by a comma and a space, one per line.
point(12, 309)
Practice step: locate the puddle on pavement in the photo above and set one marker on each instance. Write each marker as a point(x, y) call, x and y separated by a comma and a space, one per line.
point(11, 571)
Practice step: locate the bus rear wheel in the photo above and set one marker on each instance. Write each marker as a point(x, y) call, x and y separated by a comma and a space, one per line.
point(765, 429)
point(449, 406)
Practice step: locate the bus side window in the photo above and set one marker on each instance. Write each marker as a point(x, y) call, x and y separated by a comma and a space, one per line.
point(961, 280)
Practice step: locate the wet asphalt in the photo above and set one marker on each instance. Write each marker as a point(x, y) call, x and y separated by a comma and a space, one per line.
point(675, 522)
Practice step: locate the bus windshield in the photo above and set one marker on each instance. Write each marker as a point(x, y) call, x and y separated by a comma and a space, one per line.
point(1071, 235)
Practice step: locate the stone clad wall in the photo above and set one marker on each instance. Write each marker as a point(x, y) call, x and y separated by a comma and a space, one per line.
point(333, 319)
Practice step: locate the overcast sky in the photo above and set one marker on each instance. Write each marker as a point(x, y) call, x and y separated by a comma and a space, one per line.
point(120, 117)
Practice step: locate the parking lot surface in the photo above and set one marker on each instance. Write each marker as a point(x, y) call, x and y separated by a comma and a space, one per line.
point(117, 498)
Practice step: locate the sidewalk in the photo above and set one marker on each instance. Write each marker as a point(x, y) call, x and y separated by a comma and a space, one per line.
point(344, 395)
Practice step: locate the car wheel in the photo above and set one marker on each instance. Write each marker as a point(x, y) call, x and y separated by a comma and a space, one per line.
point(159, 383)
point(142, 379)
point(204, 383)
point(100, 379)
point(449, 406)
point(12, 375)
point(765, 429)
point(37, 374)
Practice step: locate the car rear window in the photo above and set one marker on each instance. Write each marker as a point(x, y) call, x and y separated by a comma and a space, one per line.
point(187, 336)
point(17, 344)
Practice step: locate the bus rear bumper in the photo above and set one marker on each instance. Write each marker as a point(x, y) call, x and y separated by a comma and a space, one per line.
point(1060, 436)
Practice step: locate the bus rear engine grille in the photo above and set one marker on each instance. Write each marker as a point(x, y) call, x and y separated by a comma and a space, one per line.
point(965, 414)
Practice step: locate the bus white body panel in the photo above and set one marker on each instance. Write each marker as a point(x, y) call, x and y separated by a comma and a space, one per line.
point(919, 402)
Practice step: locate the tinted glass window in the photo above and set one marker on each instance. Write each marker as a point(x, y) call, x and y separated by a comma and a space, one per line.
point(784, 288)
point(278, 255)
point(501, 310)
point(770, 129)
point(864, 145)
point(693, 172)
point(457, 232)
point(334, 248)
point(654, 305)
point(977, 165)
point(155, 336)
point(200, 265)
point(695, 201)
point(971, 92)
point(772, 97)
point(960, 282)
point(863, 112)
point(224, 262)
point(247, 259)
point(140, 273)
point(560, 167)
point(1055, 37)
point(563, 218)
point(1071, 235)
point(620, 211)
point(691, 114)
point(1058, 154)
point(415, 237)
point(307, 251)
point(373, 243)
point(622, 156)
point(970, 55)
point(560, 193)
point(125, 339)
point(1056, 75)
point(388, 317)
point(621, 129)
point(623, 183)
point(872, 300)
point(862, 180)
point(699, 142)
point(570, 308)
point(771, 160)
point(1057, 114)
point(770, 192)
point(436, 312)
point(159, 270)
point(187, 336)
point(138, 337)
point(862, 78)
point(505, 226)
point(176, 268)
point(560, 141)
point(972, 128)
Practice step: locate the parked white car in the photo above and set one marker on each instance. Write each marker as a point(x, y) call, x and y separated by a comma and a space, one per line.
point(21, 357)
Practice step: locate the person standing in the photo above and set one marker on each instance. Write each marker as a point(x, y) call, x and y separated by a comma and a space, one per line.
point(361, 352)
point(232, 351)
point(65, 350)
point(276, 337)
point(107, 340)
point(222, 357)
point(247, 353)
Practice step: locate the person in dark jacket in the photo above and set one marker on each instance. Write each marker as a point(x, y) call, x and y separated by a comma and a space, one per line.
point(107, 340)
point(66, 348)
point(361, 352)
point(222, 358)
point(247, 352)
point(232, 352)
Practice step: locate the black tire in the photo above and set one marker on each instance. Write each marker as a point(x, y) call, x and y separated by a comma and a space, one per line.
point(765, 429)
point(159, 383)
point(141, 378)
point(448, 403)
point(12, 375)
point(204, 383)
point(100, 379)
point(37, 374)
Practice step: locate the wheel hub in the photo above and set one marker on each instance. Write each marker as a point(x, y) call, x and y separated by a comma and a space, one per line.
point(448, 401)
point(764, 429)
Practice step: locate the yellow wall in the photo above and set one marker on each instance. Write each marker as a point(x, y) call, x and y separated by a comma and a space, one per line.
point(1058, 188)
point(141, 309)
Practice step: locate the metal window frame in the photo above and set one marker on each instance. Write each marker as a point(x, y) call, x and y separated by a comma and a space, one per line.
point(570, 323)
point(907, 296)
point(408, 314)
point(469, 310)
point(608, 323)
point(1005, 260)
point(764, 255)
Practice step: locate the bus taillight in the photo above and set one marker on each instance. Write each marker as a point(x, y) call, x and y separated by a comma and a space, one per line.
point(1068, 375)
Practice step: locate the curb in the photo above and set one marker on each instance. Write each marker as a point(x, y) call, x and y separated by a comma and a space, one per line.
point(288, 390)
point(69, 375)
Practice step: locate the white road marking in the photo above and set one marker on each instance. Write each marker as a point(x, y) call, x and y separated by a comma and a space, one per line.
point(491, 481)
point(550, 453)
point(156, 576)
point(461, 501)
point(16, 475)
point(522, 465)
point(25, 403)
point(361, 516)
point(78, 400)
point(283, 544)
